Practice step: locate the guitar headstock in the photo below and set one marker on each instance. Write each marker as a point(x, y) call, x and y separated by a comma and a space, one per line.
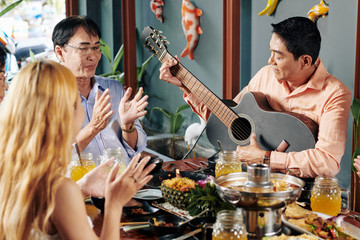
point(154, 41)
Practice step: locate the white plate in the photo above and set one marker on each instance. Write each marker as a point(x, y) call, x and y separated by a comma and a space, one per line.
point(347, 227)
point(148, 194)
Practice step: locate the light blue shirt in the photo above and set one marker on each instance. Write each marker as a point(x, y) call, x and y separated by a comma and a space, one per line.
point(111, 136)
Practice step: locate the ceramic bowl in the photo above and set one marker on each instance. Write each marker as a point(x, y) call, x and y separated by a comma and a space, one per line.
point(158, 162)
point(177, 227)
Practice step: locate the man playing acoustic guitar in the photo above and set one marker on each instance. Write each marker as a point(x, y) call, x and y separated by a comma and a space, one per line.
point(294, 81)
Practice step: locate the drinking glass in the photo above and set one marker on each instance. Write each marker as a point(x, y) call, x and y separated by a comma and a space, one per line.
point(79, 167)
point(116, 154)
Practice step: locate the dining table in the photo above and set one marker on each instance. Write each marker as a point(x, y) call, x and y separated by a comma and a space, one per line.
point(195, 164)
point(97, 217)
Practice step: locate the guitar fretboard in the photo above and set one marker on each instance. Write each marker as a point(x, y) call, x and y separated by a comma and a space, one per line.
point(206, 96)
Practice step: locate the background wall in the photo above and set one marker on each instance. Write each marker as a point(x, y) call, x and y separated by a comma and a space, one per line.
point(338, 31)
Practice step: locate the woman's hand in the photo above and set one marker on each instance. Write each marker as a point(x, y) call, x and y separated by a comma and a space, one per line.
point(93, 182)
point(120, 189)
point(130, 110)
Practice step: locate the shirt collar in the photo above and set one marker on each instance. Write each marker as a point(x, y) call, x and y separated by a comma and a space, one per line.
point(93, 91)
point(317, 80)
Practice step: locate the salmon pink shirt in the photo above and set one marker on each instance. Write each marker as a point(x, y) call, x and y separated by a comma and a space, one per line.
point(324, 99)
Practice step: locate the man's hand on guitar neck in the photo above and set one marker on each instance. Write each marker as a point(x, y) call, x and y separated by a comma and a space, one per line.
point(167, 76)
point(252, 152)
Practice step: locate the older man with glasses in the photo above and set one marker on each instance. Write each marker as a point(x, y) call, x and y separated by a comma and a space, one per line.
point(111, 117)
point(3, 84)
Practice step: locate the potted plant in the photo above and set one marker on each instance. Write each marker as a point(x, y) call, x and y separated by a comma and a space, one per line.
point(176, 119)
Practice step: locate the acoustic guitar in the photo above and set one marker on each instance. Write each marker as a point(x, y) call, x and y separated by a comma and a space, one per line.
point(228, 126)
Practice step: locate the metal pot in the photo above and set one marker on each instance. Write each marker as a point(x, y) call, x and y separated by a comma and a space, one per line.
point(262, 206)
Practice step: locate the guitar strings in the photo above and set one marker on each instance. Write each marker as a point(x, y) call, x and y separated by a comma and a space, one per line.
point(243, 131)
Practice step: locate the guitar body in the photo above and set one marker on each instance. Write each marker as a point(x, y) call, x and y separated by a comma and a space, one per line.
point(271, 127)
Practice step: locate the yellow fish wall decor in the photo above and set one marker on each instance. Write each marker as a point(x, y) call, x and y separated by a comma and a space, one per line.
point(321, 9)
point(191, 26)
point(270, 7)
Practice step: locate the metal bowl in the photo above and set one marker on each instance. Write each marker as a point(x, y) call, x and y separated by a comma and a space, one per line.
point(257, 199)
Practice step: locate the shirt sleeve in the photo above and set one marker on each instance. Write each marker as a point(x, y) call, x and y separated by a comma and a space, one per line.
point(325, 158)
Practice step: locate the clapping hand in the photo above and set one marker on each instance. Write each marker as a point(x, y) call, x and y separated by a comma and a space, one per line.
point(130, 110)
point(93, 182)
point(120, 189)
point(102, 111)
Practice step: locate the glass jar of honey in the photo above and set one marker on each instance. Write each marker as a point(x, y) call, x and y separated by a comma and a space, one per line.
point(229, 226)
point(79, 167)
point(227, 162)
point(326, 196)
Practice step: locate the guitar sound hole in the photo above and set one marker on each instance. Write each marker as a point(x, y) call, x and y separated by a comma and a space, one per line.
point(241, 129)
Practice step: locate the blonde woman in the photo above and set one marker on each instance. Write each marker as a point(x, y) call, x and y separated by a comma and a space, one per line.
point(39, 120)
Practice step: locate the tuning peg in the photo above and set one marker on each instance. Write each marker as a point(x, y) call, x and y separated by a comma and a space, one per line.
point(157, 32)
point(166, 42)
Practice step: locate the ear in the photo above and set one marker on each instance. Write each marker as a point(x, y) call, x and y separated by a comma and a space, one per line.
point(306, 61)
point(59, 52)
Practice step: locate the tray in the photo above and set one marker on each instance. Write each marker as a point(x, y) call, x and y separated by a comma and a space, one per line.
point(348, 228)
point(167, 207)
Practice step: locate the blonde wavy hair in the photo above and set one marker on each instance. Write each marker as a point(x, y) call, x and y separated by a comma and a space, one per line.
point(36, 132)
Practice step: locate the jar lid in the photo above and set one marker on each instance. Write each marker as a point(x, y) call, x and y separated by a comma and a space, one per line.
point(230, 217)
point(326, 181)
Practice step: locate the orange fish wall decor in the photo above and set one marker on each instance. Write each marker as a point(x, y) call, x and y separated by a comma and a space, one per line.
point(191, 27)
point(157, 8)
point(321, 9)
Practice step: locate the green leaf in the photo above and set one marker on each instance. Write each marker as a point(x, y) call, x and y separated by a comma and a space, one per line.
point(143, 67)
point(177, 123)
point(355, 109)
point(10, 7)
point(163, 111)
point(106, 51)
point(182, 107)
point(118, 58)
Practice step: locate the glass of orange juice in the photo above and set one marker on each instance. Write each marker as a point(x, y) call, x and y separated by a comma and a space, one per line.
point(79, 167)
point(326, 196)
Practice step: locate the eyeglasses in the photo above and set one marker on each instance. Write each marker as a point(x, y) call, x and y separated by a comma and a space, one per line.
point(3, 78)
point(87, 50)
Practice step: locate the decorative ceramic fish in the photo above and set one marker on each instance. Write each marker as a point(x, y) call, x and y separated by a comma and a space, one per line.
point(191, 27)
point(321, 9)
point(156, 6)
point(270, 7)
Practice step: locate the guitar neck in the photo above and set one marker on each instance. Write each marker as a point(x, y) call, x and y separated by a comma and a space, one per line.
point(206, 96)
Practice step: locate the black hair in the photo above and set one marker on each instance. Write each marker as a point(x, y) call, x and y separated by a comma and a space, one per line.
point(2, 57)
point(301, 36)
point(67, 27)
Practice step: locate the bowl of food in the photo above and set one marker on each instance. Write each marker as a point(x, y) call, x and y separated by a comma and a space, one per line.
point(166, 224)
point(140, 209)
